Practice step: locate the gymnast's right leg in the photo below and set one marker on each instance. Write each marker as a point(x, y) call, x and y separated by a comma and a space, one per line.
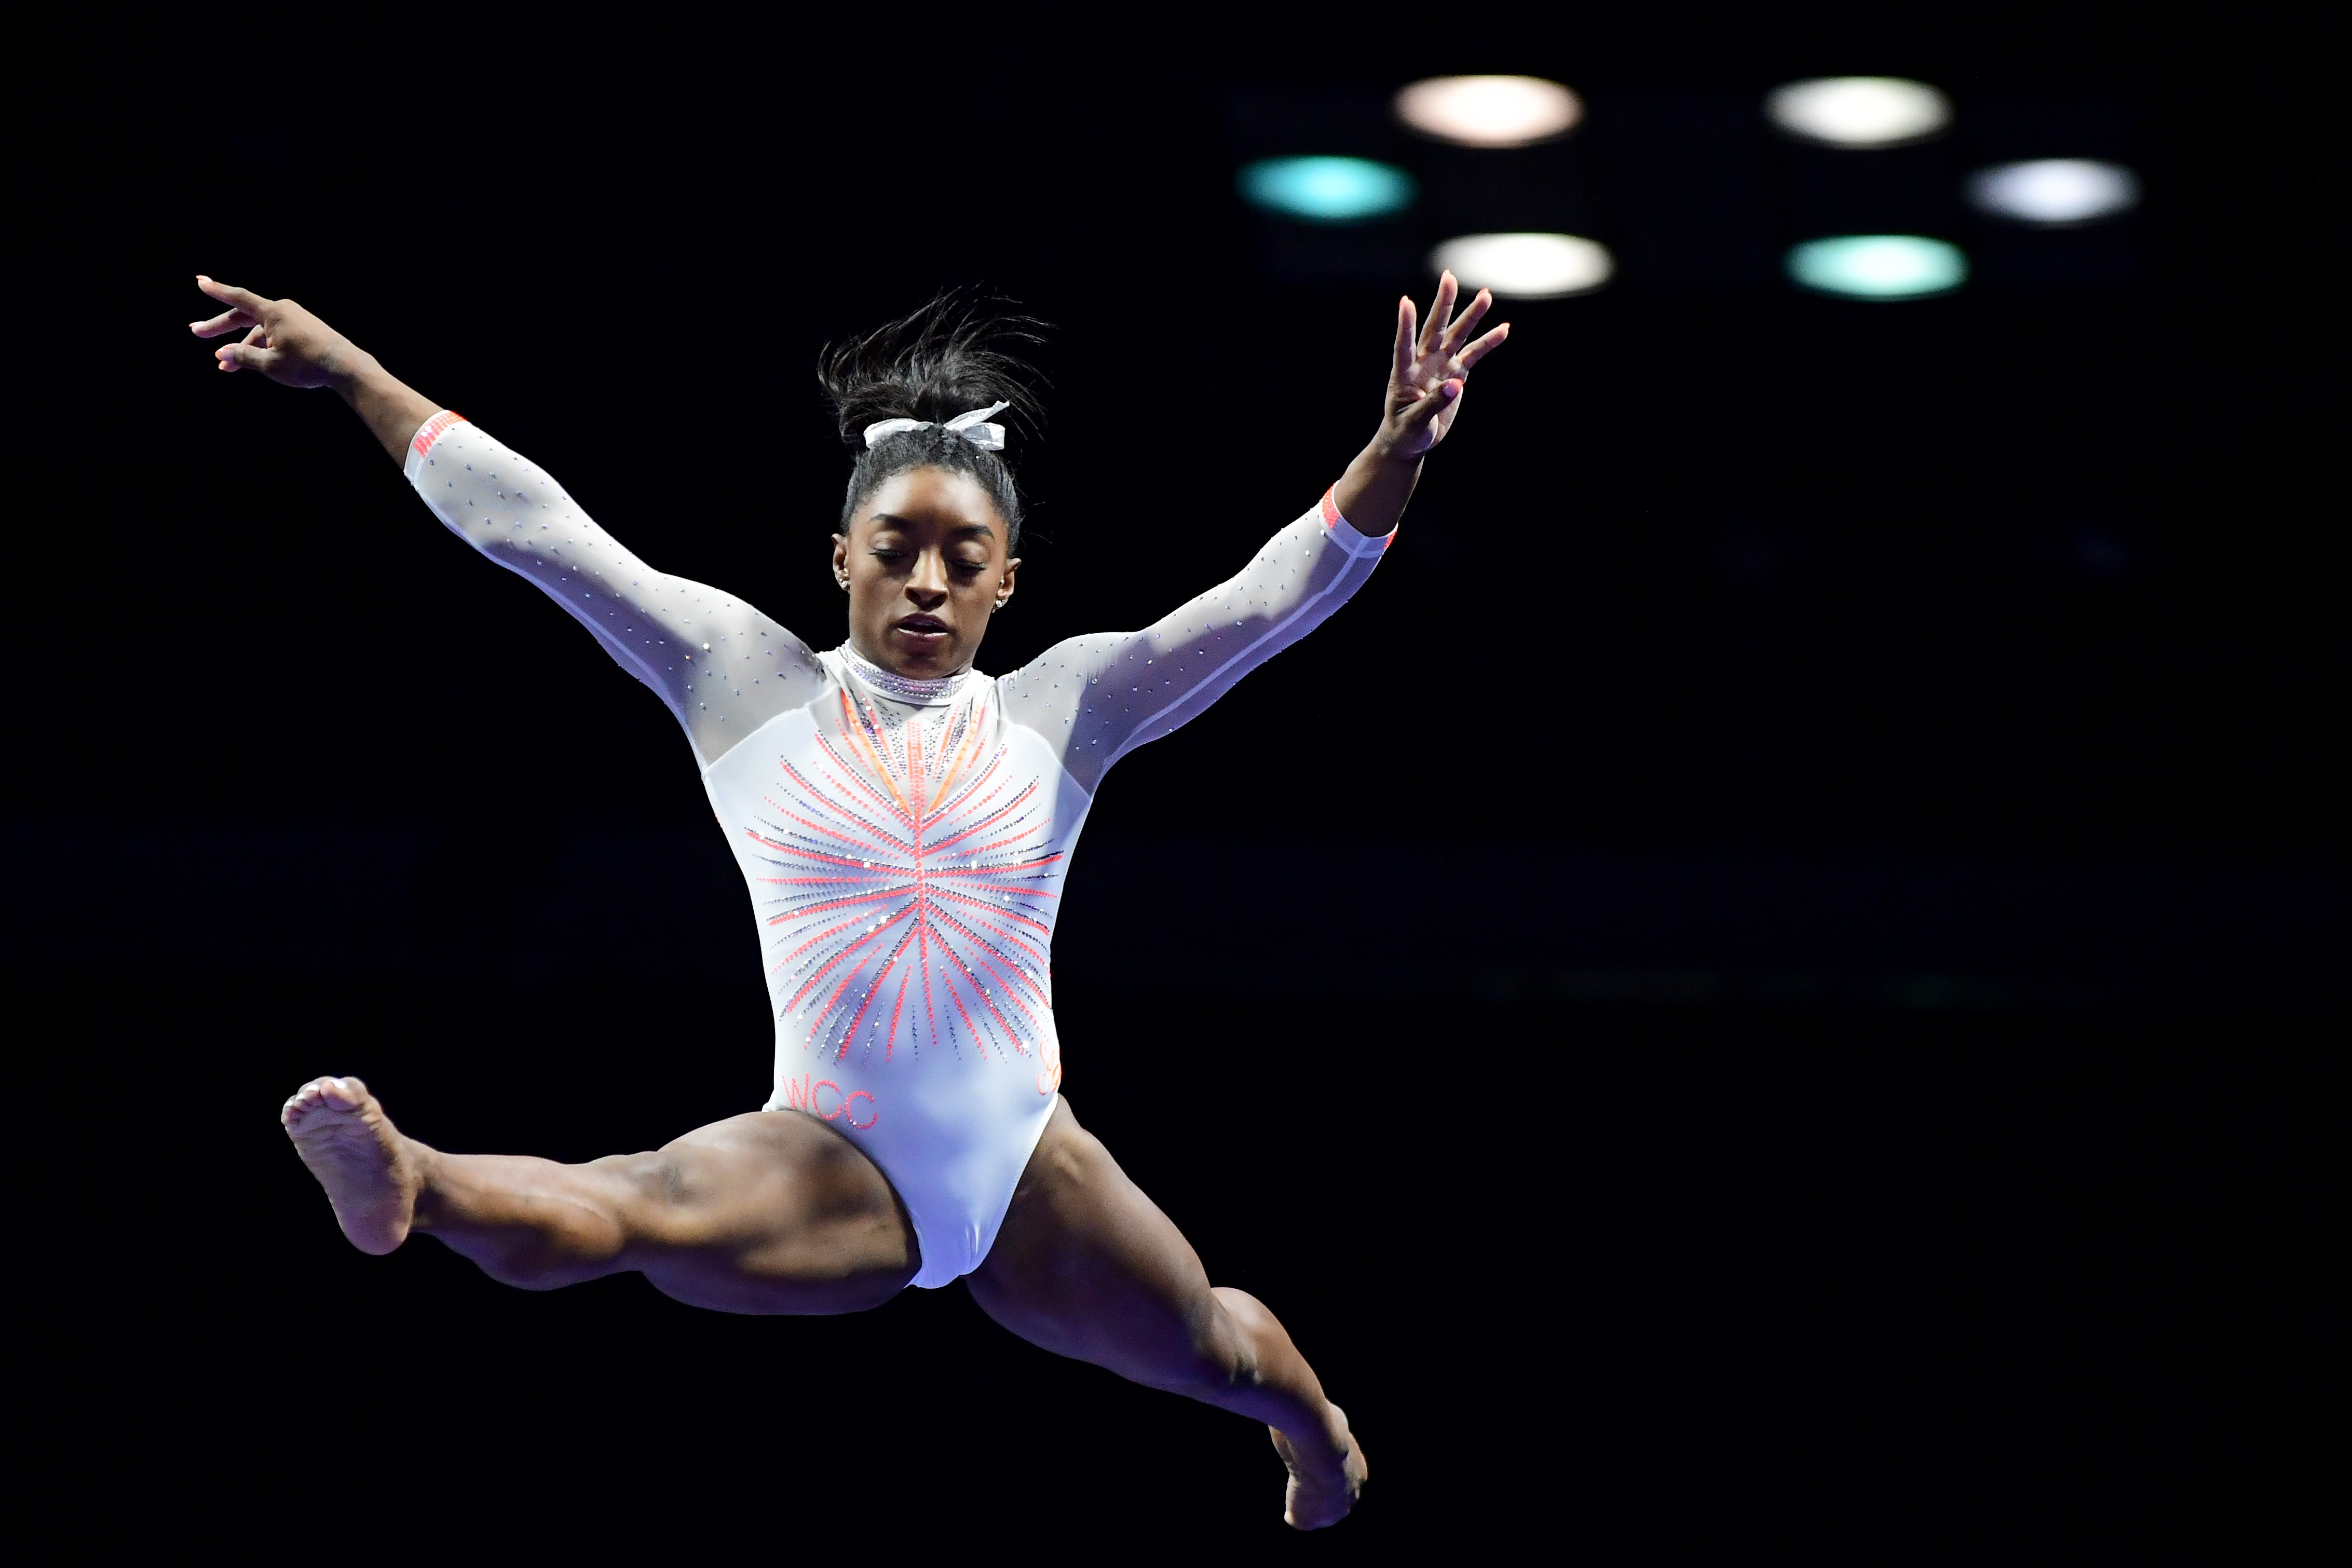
point(770, 1212)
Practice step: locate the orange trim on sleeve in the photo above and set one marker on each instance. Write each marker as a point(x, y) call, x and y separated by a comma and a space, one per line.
point(432, 429)
point(1332, 517)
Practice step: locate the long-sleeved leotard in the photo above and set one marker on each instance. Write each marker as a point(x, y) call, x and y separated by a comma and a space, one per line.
point(905, 841)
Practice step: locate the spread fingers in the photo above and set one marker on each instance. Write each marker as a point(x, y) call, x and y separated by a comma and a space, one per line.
point(244, 300)
point(226, 321)
point(1440, 308)
point(1468, 322)
point(1481, 349)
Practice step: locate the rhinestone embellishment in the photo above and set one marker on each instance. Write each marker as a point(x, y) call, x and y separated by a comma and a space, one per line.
point(904, 687)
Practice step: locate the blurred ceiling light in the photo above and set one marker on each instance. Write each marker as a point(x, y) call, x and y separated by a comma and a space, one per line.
point(1524, 265)
point(1489, 111)
point(1326, 190)
point(2054, 191)
point(1859, 112)
point(1878, 267)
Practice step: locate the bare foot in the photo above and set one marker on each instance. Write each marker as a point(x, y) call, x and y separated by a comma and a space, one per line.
point(1318, 1496)
point(359, 1156)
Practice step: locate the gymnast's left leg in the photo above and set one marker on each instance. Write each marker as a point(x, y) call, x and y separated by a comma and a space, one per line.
point(1087, 1267)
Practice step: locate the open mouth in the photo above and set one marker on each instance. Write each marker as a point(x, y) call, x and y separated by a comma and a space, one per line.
point(923, 628)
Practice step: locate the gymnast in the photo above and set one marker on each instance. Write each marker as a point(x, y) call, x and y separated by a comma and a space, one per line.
point(904, 823)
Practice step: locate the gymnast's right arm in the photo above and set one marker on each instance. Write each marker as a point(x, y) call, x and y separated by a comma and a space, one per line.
point(717, 663)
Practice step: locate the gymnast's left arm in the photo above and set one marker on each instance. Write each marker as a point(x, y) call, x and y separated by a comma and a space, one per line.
point(1098, 697)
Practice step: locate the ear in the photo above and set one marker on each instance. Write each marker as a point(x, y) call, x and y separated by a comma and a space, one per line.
point(840, 561)
point(1005, 584)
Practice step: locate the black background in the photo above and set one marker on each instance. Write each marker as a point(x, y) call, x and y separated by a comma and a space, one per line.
point(1852, 1079)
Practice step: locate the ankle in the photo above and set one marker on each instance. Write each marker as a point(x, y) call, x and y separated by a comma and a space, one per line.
point(430, 1167)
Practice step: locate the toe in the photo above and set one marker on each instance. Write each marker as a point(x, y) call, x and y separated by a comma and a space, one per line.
point(305, 1100)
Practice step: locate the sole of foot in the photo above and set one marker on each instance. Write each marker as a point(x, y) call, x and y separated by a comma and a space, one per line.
point(1314, 1499)
point(351, 1145)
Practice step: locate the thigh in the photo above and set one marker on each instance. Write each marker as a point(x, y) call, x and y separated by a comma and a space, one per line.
point(770, 1212)
point(1087, 1266)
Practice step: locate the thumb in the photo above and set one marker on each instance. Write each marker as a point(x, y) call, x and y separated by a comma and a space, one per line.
point(1432, 402)
point(247, 356)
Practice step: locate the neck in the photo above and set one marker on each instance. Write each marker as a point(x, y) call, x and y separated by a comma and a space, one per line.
point(892, 683)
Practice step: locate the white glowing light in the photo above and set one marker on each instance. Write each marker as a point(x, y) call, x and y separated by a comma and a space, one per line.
point(1878, 267)
point(1524, 265)
point(1489, 111)
point(2054, 191)
point(1859, 112)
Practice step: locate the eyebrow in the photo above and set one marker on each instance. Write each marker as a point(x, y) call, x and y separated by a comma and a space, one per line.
point(961, 528)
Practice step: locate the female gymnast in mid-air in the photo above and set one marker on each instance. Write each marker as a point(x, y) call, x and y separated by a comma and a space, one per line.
point(904, 823)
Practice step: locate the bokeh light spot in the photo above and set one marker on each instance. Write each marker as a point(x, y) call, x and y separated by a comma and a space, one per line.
point(1489, 111)
point(1859, 112)
point(1524, 265)
point(1878, 267)
point(1326, 190)
point(2054, 191)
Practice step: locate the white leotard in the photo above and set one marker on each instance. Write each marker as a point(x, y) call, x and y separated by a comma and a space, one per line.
point(905, 841)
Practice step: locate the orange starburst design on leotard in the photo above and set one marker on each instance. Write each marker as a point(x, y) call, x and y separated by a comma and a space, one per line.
point(911, 867)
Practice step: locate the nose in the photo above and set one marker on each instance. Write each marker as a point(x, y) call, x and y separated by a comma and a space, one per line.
point(927, 585)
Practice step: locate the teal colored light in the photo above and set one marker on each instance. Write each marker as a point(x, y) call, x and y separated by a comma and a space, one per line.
point(1326, 190)
point(1878, 267)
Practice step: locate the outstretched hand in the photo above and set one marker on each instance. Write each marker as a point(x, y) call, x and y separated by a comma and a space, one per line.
point(1431, 368)
point(282, 340)
point(295, 349)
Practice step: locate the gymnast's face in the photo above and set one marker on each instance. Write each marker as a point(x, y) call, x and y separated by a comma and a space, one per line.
point(925, 565)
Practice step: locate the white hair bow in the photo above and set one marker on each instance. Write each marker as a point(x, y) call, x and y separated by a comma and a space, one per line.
point(973, 427)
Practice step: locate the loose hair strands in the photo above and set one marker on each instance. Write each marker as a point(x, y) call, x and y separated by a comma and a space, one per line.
point(948, 358)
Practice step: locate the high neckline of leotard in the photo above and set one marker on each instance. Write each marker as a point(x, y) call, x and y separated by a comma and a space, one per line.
point(903, 688)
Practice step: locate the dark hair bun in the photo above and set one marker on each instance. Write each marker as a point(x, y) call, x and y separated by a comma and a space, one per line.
point(948, 358)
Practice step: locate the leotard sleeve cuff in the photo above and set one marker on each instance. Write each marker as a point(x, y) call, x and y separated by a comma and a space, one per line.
point(431, 430)
point(1343, 533)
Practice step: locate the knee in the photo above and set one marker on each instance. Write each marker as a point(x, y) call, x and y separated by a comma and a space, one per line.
point(657, 1177)
point(653, 1193)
